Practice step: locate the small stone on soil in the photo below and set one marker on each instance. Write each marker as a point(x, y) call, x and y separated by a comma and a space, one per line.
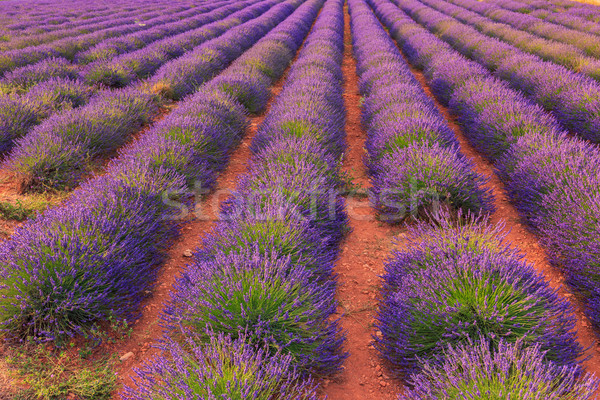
point(126, 356)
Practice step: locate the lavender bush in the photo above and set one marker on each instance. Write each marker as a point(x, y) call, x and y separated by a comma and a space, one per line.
point(265, 298)
point(413, 155)
point(220, 369)
point(442, 293)
point(512, 371)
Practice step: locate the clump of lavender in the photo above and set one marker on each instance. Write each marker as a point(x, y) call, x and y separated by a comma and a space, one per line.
point(421, 178)
point(510, 371)
point(273, 225)
point(297, 180)
point(219, 369)
point(448, 292)
point(461, 232)
point(267, 299)
point(117, 227)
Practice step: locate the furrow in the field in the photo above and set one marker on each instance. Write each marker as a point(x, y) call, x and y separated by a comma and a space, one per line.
point(47, 25)
point(162, 28)
point(50, 17)
point(59, 88)
point(563, 54)
point(549, 14)
point(583, 40)
point(115, 20)
point(360, 262)
point(66, 47)
point(56, 154)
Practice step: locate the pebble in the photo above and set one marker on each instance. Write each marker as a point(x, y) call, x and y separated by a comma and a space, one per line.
point(126, 356)
point(187, 253)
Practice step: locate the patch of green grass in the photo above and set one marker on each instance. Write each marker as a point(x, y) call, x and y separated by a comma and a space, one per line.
point(351, 187)
point(53, 376)
point(16, 212)
point(25, 208)
point(56, 373)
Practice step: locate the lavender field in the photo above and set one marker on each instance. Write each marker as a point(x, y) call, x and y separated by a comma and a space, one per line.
point(299, 199)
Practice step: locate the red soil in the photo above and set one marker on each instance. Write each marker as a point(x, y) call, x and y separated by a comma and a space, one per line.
point(360, 263)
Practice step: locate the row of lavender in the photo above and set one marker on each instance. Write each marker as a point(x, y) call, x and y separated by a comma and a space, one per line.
point(539, 9)
point(22, 18)
point(252, 316)
point(583, 40)
point(568, 8)
point(69, 46)
point(573, 98)
point(136, 19)
point(21, 79)
point(19, 23)
point(53, 85)
point(460, 311)
point(412, 154)
point(96, 255)
point(551, 177)
point(57, 153)
point(561, 53)
point(130, 66)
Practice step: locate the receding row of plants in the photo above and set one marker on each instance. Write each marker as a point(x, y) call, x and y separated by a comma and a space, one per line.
point(564, 54)
point(19, 20)
point(95, 257)
point(251, 317)
point(56, 154)
point(55, 84)
point(69, 46)
point(145, 13)
point(535, 159)
point(20, 80)
point(461, 314)
point(573, 98)
point(550, 176)
point(585, 10)
point(546, 12)
point(412, 154)
point(583, 40)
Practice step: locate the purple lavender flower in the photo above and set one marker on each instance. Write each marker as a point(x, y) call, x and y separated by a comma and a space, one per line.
point(418, 178)
point(221, 368)
point(264, 298)
point(512, 370)
point(445, 293)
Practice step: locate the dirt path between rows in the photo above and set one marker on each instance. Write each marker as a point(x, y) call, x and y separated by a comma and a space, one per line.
point(360, 264)
point(518, 233)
